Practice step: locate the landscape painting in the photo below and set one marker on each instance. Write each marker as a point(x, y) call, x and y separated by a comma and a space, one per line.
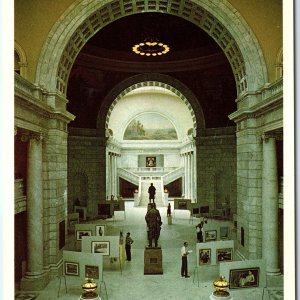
point(150, 126)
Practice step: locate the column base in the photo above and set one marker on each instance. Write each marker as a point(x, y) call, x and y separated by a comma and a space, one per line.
point(273, 272)
point(213, 297)
point(34, 281)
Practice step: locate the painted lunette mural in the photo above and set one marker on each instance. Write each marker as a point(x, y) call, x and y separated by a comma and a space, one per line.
point(150, 126)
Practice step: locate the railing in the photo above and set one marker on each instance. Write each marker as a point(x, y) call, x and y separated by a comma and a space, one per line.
point(173, 175)
point(273, 89)
point(129, 176)
point(150, 169)
point(32, 91)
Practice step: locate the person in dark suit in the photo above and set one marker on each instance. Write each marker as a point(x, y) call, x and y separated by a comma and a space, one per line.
point(184, 263)
point(151, 192)
point(128, 242)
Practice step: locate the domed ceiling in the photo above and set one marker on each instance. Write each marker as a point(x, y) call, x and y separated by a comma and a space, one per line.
point(194, 59)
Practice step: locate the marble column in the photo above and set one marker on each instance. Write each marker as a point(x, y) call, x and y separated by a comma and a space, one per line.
point(189, 175)
point(185, 176)
point(270, 206)
point(35, 272)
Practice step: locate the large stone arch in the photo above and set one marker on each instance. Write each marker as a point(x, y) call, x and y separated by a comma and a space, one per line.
point(150, 79)
point(84, 18)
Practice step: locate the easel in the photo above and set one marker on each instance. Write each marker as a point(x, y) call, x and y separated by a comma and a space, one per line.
point(196, 274)
point(60, 278)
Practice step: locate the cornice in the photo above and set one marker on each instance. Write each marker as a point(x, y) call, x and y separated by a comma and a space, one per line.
point(188, 64)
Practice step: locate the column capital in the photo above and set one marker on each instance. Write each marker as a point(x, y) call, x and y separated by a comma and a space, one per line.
point(277, 135)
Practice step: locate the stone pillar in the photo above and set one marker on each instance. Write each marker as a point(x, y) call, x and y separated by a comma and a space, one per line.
point(35, 277)
point(270, 206)
point(185, 174)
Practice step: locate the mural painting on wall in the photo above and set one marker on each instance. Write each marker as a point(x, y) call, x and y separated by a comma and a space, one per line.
point(150, 126)
point(151, 161)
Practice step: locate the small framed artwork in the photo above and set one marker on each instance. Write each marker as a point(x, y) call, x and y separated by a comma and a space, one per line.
point(71, 269)
point(151, 161)
point(101, 247)
point(81, 233)
point(116, 206)
point(92, 272)
point(62, 234)
point(224, 254)
point(204, 256)
point(224, 233)
point(100, 230)
point(196, 211)
point(182, 204)
point(244, 278)
point(210, 235)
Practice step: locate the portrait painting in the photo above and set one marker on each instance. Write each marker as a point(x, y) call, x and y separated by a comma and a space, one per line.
point(92, 272)
point(100, 230)
point(204, 256)
point(210, 235)
point(224, 233)
point(101, 247)
point(71, 269)
point(81, 233)
point(151, 161)
point(244, 278)
point(224, 254)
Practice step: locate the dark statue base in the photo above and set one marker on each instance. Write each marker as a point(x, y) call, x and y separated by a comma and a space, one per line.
point(153, 261)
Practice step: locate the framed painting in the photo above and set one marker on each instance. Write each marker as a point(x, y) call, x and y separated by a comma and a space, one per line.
point(62, 234)
point(210, 235)
point(182, 204)
point(100, 230)
point(224, 254)
point(71, 268)
point(81, 233)
point(151, 162)
point(244, 278)
point(224, 233)
point(92, 272)
point(204, 256)
point(101, 247)
point(195, 210)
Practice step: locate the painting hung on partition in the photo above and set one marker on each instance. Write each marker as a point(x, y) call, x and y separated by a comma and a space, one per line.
point(210, 235)
point(101, 247)
point(100, 230)
point(150, 126)
point(71, 269)
point(92, 272)
point(244, 278)
point(224, 233)
point(204, 256)
point(81, 233)
point(224, 254)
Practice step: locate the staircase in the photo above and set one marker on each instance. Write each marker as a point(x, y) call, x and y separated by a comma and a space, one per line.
point(144, 196)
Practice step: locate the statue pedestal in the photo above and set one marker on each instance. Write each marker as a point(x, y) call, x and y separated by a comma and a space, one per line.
point(169, 220)
point(136, 199)
point(153, 261)
point(213, 297)
point(96, 298)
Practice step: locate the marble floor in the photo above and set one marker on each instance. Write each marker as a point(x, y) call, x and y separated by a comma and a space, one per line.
point(132, 284)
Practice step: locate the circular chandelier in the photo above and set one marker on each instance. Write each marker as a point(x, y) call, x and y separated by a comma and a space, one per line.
point(151, 47)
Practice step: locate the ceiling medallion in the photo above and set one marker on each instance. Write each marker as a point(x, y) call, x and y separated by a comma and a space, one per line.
point(151, 47)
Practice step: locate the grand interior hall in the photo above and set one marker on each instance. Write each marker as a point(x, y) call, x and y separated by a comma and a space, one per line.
point(111, 96)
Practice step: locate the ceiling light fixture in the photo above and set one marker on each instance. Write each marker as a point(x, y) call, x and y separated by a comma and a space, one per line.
point(151, 47)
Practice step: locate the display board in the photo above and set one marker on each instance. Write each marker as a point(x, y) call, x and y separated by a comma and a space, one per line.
point(105, 245)
point(105, 209)
point(73, 219)
point(83, 265)
point(213, 253)
point(244, 274)
point(118, 205)
point(195, 210)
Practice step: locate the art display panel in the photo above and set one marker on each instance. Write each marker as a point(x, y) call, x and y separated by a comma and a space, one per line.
point(244, 278)
point(224, 233)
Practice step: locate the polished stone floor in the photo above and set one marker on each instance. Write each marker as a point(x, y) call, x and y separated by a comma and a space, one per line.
point(131, 283)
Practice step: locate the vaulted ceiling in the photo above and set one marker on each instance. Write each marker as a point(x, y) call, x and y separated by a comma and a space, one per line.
point(195, 59)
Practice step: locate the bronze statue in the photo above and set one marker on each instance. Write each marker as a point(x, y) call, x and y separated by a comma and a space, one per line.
point(154, 223)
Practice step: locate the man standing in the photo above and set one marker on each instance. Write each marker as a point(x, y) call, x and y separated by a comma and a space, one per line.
point(184, 265)
point(128, 243)
point(151, 192)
